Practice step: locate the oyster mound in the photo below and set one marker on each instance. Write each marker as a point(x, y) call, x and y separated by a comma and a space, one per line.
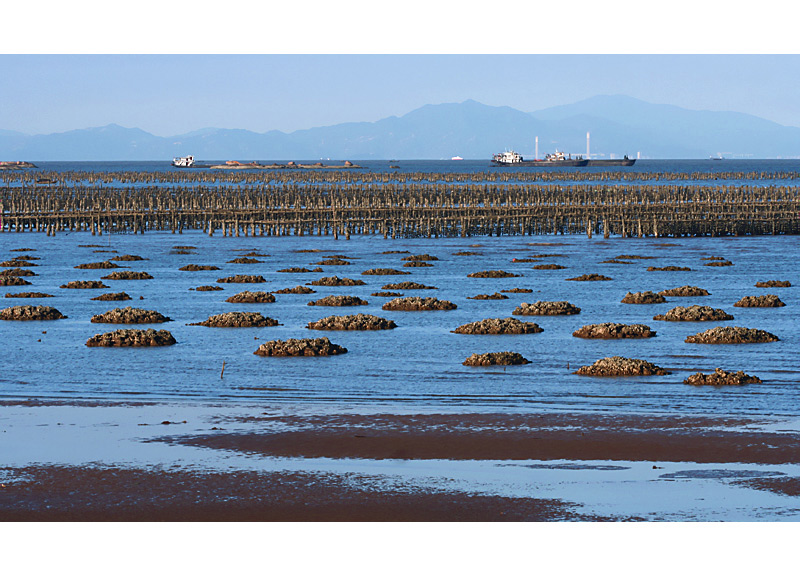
point(619, 366)
point(301, 347)
point(496, 359)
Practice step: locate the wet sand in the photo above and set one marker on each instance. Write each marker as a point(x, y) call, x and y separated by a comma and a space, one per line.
point(87, 460)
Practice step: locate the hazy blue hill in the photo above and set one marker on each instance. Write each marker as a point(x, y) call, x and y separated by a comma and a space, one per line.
point(111, 142)
point(670, 129)
point(618, 125)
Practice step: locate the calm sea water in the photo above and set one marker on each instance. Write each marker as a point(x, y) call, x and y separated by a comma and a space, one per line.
point(643, 167)
point(418, 364)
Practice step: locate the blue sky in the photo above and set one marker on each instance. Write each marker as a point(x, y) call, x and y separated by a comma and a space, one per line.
point(173, 68)
point(173, 94)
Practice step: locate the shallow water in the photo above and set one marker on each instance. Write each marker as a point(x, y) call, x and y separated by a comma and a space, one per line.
point(418, 364)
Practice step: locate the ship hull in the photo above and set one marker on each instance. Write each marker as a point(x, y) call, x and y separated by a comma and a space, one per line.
point(611, 162)
point(565, 163)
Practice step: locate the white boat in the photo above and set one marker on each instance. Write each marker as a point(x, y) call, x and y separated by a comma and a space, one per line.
point(183, 161)
point(456, 158)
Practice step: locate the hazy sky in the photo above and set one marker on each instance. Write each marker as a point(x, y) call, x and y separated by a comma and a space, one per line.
point(173, 94)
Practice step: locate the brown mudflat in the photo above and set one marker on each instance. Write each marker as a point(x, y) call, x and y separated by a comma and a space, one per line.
point(552, 436)
point(66, 493)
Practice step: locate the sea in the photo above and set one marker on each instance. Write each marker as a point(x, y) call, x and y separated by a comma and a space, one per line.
point(417, 366)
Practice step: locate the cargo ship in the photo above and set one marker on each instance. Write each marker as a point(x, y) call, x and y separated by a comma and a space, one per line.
point(557, 159)
point(624, 162)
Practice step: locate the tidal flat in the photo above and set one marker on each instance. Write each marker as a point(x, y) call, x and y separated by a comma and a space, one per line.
point(397, 428)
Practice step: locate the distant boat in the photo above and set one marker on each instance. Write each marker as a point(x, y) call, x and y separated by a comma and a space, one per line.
point(557, 159)
point(183, 162)
point(719, 157)
point(456, 158)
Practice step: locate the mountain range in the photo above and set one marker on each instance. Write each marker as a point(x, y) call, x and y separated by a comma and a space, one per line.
point(618, 125)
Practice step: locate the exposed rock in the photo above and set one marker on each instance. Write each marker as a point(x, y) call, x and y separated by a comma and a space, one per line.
point(774, 283)
point(619, 366)
point(421, 257)
point(307, 250)
point(355, 322)
point(245, 260)
point(542, 255)
point(182, 252)
point(97, 265)
point(237, 320)
point(684, 291)
point(303, 347)
point(718, 263)
point(256, 254)
point(721, 377)
point(693, 314)
point(30, 313)
point(732, 335)
point(6, 281)
point(251, 298)
point(128, 257)
point(130, 315)
point(17, 272)
point(334, 261)
point(525, 260)
point(85, 284)
point(467, 253)
point(493, 273)
point(634, 257)
point(669, 268)
point(386, 294)
point(407, 285)
point(617, 261)
point(112, 297)
point(28, 295)
point(206, 288)
point(417, 264)
point(393, 252)
point(127, 275)
point(18, 263)
point(647, 297)
point(417, 304)
point(336, 281)
point(590, 277)
point(518, 290)
point(496, 359)
point(339, 301)
point(766, 301)
point(131, 338)
point(612, 331)
point(24, 249)
point(384, 271)
point(195, 267)
point(26, 258)
point(183, 247)
point(294, 270)
point(713, 258)
point(546, 309)
point(494, 296)
point(496, 326)
point(549, 266)
point(242, 279)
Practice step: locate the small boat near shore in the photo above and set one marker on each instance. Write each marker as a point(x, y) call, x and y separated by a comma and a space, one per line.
point(183, 162)
point(557, 159)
